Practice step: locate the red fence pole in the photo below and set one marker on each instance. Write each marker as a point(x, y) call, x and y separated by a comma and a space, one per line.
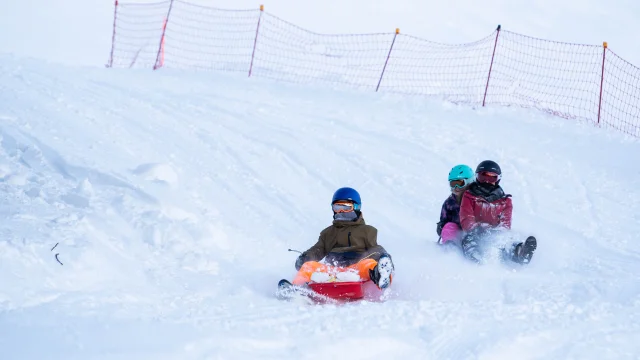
point(486, 88)
point(164, 26)
point(388, 55)
point(604, 52)
point(113, 36)
point(255, 41)
point(161, 46)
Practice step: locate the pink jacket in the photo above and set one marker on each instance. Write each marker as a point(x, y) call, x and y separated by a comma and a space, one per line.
point(485, 205)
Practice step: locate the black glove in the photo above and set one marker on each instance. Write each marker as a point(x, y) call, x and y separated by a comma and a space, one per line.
point(301, 260)
point(439, 228)
point(374, 275)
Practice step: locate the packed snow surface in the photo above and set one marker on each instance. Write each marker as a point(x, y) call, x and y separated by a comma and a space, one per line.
point(171, 198)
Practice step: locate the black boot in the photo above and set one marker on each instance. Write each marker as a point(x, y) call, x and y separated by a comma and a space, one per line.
point(523, 252)
point(284, 283)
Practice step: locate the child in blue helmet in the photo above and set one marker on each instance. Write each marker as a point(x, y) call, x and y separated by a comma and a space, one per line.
point(449, 228)
point(348, 243)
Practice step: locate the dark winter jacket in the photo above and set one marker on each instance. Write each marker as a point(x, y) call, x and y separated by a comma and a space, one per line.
point(450, 212)
point(345, 243)
point(485, 205)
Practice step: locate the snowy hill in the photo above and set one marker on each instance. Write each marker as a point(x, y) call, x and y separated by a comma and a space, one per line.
point(173, 198)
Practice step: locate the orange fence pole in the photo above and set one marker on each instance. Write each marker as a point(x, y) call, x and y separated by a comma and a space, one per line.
point(604, 53)
point(388, 55)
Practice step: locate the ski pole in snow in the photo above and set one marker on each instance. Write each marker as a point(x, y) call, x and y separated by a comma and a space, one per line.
point(300, 252)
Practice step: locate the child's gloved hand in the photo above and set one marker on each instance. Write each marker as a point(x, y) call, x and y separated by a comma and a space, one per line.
point(439, 228)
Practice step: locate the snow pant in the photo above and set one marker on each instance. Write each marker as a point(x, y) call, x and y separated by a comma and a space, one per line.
point(362, 267)
point(474, 244)
point(451, 232)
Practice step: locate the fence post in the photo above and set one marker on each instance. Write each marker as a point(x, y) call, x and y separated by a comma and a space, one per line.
point(255, 40)
point(604, 53)
point(113, 35)
point(161, 46)
point(161, 63)
point(388, 55)
point(495, 44)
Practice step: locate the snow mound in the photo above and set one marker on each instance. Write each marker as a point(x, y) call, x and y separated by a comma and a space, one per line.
point(163, 173)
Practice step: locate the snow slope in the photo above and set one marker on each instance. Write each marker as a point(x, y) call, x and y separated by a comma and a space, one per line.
point(173, 198)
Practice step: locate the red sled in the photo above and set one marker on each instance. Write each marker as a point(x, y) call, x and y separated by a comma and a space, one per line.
point(350, 290)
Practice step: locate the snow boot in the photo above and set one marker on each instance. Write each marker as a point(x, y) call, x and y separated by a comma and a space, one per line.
point(523, 252)
point(383, 271)
point(288, 291)
point(284, 283)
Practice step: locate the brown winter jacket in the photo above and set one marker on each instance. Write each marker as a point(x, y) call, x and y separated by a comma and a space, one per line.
point(354, 237)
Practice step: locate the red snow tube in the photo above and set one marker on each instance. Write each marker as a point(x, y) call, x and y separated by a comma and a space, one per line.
point(340, 290)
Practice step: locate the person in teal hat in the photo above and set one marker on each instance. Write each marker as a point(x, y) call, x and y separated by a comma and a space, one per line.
point(448, 228)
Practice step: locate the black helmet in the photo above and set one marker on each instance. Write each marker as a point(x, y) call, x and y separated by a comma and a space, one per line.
point(490, 166)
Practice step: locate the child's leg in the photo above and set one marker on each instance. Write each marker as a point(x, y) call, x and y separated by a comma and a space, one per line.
point(307, 269)
point(473, 243)
point(451, 232)
point(363, 267)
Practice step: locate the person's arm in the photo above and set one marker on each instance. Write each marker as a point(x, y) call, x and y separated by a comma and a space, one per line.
point(372, 237)
point(443, 219)
point(314, 253)
point(505, 217)
point(467, 214)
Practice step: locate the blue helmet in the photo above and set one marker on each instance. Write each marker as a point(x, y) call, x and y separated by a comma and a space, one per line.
point(347, 193)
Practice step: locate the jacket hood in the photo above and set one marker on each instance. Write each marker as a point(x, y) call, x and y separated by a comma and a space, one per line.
point(488, 192)
point(342, 223)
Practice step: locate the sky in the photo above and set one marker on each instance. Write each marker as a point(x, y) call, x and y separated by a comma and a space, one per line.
point(79, 32)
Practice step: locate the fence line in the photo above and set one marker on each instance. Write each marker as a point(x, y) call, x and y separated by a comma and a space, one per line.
point(573, 81)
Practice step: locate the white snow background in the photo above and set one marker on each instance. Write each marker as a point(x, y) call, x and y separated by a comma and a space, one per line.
point(173, 197)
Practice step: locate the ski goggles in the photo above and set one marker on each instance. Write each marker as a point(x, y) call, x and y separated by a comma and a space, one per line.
point(487, 177)
point(341, 207)
point(458, 184)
